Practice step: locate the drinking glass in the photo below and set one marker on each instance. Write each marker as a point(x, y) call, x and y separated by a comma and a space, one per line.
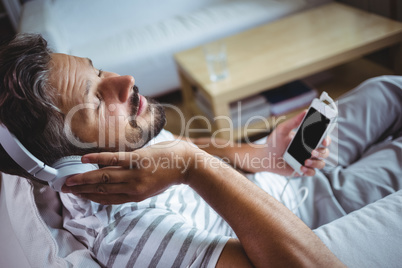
point(216, 59)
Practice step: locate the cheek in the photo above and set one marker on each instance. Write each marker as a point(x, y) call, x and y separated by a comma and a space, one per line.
point(117, 120)
point(84, 130)
point(117, 113)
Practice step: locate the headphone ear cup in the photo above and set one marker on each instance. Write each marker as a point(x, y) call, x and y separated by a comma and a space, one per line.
point(67, 167)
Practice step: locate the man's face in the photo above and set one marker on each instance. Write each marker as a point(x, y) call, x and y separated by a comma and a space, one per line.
point(103, 109)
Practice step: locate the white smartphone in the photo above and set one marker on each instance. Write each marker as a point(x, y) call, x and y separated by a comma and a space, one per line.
point(316, 125)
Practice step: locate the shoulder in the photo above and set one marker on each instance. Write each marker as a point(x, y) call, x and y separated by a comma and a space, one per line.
point(164, 135)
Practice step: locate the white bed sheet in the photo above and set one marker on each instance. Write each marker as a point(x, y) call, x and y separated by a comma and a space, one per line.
point(368, 237)
point(31, 234)
point(31, 226)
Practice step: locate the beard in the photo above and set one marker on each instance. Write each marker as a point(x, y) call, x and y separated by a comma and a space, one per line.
point(134, 103)
point(139, 136)
point(138, 131)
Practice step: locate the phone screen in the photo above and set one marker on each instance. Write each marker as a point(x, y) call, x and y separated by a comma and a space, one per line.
point(308, 135)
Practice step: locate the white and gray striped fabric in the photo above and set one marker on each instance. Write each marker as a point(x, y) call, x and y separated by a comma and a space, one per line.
point(174, 229)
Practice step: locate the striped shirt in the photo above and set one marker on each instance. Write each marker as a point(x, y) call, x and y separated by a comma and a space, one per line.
point(174, 229)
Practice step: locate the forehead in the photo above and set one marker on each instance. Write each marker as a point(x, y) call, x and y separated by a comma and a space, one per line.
point(69, 76)
point(62, 63)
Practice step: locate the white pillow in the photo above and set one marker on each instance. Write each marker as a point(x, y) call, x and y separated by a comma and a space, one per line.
point(31, 214)
point(368, 237)
point(31, 234)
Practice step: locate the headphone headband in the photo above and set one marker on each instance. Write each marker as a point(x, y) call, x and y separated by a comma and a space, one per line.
point(24, 158)
point(54, 176)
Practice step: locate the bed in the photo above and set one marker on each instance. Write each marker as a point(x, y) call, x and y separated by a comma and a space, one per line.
point(31, 232)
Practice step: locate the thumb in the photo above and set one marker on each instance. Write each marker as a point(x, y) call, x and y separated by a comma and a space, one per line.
point(292, 123)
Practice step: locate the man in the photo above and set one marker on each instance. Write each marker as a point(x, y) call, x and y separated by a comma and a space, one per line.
point(370, 153)
point(261, 231)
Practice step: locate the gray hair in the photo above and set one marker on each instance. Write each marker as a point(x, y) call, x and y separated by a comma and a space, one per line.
point(27, 102)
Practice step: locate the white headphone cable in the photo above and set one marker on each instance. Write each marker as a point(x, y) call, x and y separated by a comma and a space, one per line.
point(304, 188)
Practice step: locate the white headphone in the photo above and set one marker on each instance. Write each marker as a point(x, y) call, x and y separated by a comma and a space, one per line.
point(56, 175)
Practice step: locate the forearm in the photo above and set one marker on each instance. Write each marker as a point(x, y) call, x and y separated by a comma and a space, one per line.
point(269, 233)
point(242, 156)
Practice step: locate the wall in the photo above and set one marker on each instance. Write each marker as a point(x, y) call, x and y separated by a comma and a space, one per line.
point(6, 29)
point(388, 8)
point(2, 10)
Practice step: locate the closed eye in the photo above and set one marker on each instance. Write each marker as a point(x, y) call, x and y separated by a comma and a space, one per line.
point(100, 73)
point(100, 100)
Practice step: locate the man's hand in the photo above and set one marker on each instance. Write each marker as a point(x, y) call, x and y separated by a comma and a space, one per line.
point(279, 140)
point(265, 157)
point(133, 176)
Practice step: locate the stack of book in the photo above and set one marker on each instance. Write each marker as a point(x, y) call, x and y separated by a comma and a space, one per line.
point(289, 97)
point(242, 112)
point(281, 100)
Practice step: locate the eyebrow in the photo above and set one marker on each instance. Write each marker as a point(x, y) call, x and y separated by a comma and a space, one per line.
point(90, 62)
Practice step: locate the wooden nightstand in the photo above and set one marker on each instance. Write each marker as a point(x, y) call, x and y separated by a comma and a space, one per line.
point(279, 52)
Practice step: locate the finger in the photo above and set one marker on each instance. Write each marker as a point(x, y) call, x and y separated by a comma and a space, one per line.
point(327, 141)
point(307, 171)
point(314, 163)
point(104, 175)
point(292, 134)
point(122, 159)
point(100, 189)
point(320, 153)
point(292, 123)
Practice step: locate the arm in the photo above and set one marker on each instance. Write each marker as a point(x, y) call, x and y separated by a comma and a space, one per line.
point(269, 234)
point(253, 158)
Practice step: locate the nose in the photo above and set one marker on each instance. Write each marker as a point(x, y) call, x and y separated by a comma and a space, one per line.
point(118, 88)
